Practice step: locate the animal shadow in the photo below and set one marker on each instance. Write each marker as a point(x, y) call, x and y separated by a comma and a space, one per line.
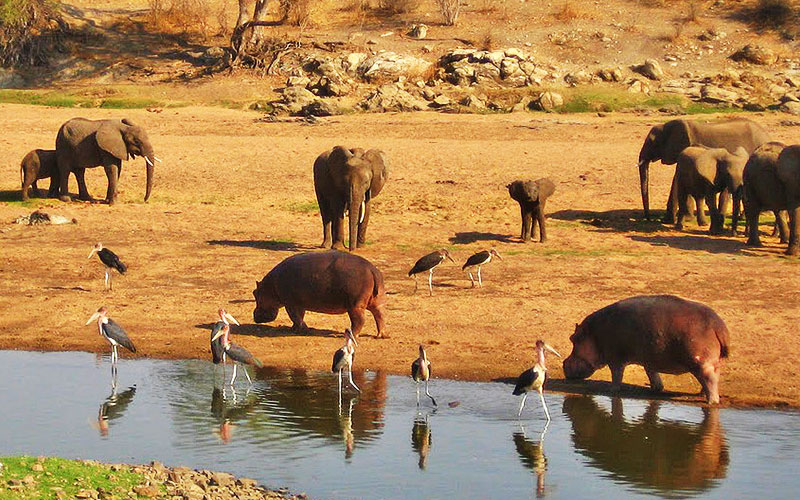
point(272, 245)
point(473, 236)
point(621, 221)
point(698, 241)
point(604, 388)
point(269, 331)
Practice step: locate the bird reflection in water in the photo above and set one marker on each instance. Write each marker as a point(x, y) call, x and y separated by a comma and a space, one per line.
point(113, 407)
point(531, 453)
point(346, 425)
point(225, 407)
point(421, 438)
point(650, 452)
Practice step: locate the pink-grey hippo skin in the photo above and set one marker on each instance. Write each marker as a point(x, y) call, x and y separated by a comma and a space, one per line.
point(330, 282)
point(662, 333)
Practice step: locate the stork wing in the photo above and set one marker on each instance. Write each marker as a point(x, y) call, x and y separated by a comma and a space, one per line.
point(474, 260)
point(113, 331)
point(217, 349)
point(415, 370)
point(524, 381)
point(242, 355)
point(110, 259)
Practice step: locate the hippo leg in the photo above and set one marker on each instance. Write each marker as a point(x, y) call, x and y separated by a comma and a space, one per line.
point(708, 376)
point(377, 313)
point(655, 380)
point(356, 320)
point(616, 376)
point(297, 315)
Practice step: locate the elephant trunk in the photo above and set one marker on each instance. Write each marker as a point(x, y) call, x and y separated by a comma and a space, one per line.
point(356, 211)
point(644, 180)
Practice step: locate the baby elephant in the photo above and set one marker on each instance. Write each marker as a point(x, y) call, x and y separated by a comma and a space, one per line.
point(39, 164)
point(701, 174)
point(532, 196)
point(662, 333)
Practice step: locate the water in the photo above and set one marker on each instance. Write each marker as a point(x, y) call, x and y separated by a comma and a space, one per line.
point(288, 430)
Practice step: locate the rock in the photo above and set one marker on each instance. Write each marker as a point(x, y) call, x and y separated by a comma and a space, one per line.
point(222, 479)
point(29, 479)
point(389, 65)
point(213, 55)
point(392, 97)
point(418, 31)
point(10, 79)
point(87, 494)
point(515, 53)
point(298, 81)
point(577, 78)
point(791, 107)
point(319, 108)
point(146, 490)
point(547, 101)
point(295, 99)
point(473, 101)
point(440, 101)
point(755, 54)
point(789, 97)
point(639, 87)
point(610, 75)
point(37, 467)
point(717, 95)
point(487, 72)
point(351, 61)
point(650, 69)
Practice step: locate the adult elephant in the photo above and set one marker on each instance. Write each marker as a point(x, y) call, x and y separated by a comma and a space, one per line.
point(83, 144)
point(666, 141)
point(347, 179)
point(763, 190)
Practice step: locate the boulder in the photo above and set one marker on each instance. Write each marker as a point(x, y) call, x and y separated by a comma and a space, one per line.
point(639, 87)
point(718, 95)
point(791, 107)
point(319, 108)
point(755, 54)
point(547, 101)
point(351, 62)
point(392, 97)
point(610, 74)
point(418, 31)
point(473, 101)
point(294, 99)
point(390, 66)
point(440, 101)
point(577, 78)
point(650, 69)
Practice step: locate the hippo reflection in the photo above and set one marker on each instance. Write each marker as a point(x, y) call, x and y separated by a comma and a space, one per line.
point(650, 453)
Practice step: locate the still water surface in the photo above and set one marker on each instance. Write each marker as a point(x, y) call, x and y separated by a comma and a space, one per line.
point(288, 430)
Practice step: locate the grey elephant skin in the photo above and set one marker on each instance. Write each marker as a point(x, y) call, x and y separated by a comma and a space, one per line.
point(532, 197)
point(764, 189)
point(701, 174)
point(347, 179)
point(662, 333)
point(39, 164)
point(330, 282)
point(82, 144)
point(666, 141)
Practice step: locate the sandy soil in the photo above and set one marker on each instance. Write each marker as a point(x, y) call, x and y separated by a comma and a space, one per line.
point(234, 196)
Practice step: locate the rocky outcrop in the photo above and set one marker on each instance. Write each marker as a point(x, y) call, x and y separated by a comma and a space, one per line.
point(389, 66)
point(392, 97)
point(650, 69)
point(547, 101)
point(755, 54)
point(510, 67)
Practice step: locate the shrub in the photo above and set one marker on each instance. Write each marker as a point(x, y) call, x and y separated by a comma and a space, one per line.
point(184, 16)
point(773, 13)
point(30, 31)
point(398, 6)
point(450, 10)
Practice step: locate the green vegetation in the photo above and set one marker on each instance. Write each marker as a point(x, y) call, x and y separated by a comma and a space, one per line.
point(302, 206)
point(41, 478)
point(65, 100)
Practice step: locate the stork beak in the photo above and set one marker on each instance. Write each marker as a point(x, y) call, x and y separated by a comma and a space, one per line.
point(498, 256)
point(349, 334)
point(218, 335)
point(231, 319)
point(93, 318)
point(449, 257)
point(550, 348)
point(91, 253)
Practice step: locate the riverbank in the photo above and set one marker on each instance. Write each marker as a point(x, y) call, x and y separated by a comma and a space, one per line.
point(41, 477)
point(234, 196)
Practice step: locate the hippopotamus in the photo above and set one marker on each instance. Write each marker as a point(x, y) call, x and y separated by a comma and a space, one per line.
point(662, 333)
point(330, 282)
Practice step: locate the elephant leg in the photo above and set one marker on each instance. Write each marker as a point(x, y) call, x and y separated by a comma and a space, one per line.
point(534, 223)
point(26, 186)
point(296, 315)
point(112, 172)
point(356, 320)
point(64, 168)
point(83, 193)
point(717, 217)
point(540, 218)
point(683, 210)
point(525, 233)
point(752, 213)
point(616, 376)
point(794, 220)
point(35, 189)
point(655, 380)
point(362, 226)
point(338, 226)
point(724, 201)
point(672, 201)
point(327, 219)
point(380, 322)
point(780, 223)
point(701, 213)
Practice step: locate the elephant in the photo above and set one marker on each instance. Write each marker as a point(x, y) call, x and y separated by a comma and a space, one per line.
point(703, 172)
point(347, 179)
point(666, 141)
point(82, 144)
point(39, 164)
point(763, 190)
point(662, 333)
point(532, 197)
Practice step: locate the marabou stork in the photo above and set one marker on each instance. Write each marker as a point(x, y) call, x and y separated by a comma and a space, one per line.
point(343, 358)
point(110, 260)
point(533, 378)
point(477, 260)
point(221, 336)
point(112, 332)
point(429, 263)
point(421, 371)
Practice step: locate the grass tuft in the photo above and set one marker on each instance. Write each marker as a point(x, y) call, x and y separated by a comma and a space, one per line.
point(302, 206)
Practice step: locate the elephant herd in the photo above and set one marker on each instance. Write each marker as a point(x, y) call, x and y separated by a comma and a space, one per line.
point(717, 161)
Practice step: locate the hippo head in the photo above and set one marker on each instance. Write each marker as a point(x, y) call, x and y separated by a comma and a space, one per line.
point(585, 357)
point(266, 303)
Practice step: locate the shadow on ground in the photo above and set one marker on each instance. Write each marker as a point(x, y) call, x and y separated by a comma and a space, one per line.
point(272, 245)
point(269, 331)
point(473, 236)
point(622, 221)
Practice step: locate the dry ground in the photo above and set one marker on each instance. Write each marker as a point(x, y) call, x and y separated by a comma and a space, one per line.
point(234, 196)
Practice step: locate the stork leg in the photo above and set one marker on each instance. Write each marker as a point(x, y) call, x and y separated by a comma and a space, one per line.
point(416, 283)
point(340, 384)
point(417, 384)
point(430, 283)
point(429, 394)
point(547, 413)
point(249, 380)
point(471, 279)
point(350, 377)
point(114, 354)
point(233, 379)
point(105, 280)
point(522, 404)
point(480, 282)
point(110, 279)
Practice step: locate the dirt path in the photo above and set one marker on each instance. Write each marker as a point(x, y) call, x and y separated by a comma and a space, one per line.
point(234, 196)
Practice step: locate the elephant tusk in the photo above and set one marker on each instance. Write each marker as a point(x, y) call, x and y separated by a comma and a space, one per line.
point(157, 159)
point(148, 161)
point(361, 214)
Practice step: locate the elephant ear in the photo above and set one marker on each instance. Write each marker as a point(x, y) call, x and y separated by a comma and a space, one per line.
point(380, 170)
point(339, 155)
point(676, 136)
point(109, 138)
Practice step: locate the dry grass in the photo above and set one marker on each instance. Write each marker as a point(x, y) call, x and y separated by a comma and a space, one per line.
point(398, 6)
point(488, 40)
point(695, 9)
point(181, 16)
point(568, 13)
point(299, 12)
point(450, 9)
